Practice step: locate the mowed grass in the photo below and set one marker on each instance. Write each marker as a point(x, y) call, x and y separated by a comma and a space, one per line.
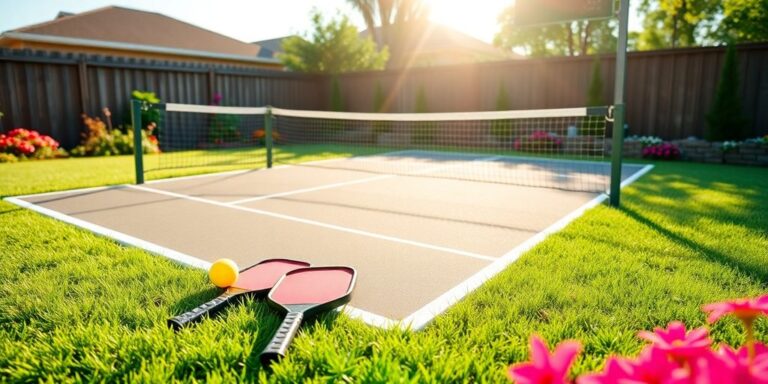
point(78, 307)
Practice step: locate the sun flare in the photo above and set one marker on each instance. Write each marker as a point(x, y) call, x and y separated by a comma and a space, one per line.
point(477, 19)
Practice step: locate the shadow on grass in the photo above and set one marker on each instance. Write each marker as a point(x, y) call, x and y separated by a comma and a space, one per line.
point(709, 253)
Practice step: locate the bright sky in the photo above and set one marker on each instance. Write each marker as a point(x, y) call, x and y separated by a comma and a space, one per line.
point(253, 20)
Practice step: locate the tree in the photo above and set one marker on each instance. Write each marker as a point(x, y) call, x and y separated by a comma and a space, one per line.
point(395, 24)
point(379, 99)
point(744, 21)
point(595, 90)
point(676, 23)
point(333, 48)
point(725, 120)
point(337, 101)
point(575, 38)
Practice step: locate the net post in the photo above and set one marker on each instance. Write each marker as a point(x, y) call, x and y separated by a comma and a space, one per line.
point(618, 105)
point(138, 152)
point(268, 135)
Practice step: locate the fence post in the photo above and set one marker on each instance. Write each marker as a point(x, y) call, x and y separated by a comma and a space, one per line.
point(268, 135)
point(138, 152)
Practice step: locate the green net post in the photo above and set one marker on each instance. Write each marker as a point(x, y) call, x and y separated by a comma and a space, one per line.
point(618, 105)
point(617, 145)
point(138, 153)
point(268, 135)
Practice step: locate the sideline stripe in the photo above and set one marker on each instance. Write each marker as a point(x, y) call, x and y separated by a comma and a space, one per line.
point(318, 223)
point(181, 258)
point(120, 237)
point(426, 314)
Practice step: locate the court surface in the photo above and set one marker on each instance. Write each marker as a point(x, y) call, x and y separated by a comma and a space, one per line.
point(419, 242)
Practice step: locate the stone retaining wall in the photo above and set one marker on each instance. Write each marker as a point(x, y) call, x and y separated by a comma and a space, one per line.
point(706, 152)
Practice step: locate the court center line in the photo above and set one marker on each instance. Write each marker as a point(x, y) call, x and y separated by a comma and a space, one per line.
point(312, 189)
point(319, 224)
point(352, 182)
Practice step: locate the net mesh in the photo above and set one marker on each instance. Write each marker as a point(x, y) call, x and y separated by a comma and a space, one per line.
point(560, 148)
point(215, 138)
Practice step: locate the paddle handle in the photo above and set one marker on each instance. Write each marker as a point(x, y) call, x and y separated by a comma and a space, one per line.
point(276, 348)
point(196, 314)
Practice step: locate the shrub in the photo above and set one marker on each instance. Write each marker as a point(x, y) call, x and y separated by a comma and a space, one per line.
point(424, 132)
point(149, 114)
point(502, 129)
point(729, 146)
point(538, 141)
point(664, 151)
point(98, 140)
point(595, 91)
point(725, 120)
point(224, 127)
point(23, 143)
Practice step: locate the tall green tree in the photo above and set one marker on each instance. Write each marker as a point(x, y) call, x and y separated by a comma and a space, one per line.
point(595, 91)
point(575, 38)
point(676, 23)
point(725, 120)
point(333, 47)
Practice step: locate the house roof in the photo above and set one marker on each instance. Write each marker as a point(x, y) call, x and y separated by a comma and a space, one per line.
point(138, 28)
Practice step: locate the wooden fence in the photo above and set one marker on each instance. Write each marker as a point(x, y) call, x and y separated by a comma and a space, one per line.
point(49, 92)
point(668, 92)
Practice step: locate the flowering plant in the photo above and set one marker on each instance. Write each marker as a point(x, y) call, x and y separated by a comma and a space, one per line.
point(538, 141)
point(674, 355)
point(25, 143)
point(758, 140)
point(260, 135)
point(665, 151)
point(99, 140)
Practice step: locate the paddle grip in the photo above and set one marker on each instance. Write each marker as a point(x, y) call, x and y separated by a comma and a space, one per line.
point(277, 348)
point(196, 314)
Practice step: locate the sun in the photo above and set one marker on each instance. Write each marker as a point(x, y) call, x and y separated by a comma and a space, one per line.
point(477, 18)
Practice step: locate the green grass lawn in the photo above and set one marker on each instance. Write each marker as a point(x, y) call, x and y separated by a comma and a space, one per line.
point(78, 307)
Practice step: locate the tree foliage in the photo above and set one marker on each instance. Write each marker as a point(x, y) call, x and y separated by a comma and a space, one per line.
point(575, 38)
point(676, 23)
point(396, 24)
point(334, 47)
point(744, 21)
point(725, 120)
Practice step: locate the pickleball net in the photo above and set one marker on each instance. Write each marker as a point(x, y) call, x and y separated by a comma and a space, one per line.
point(550, 148)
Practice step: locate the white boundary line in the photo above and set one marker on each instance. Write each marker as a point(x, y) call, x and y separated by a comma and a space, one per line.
point(426, 314)
point(181, 258)
point(318, 224)
point(120, 237)
point(416, 320)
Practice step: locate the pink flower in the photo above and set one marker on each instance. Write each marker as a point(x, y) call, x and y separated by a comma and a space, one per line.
point(616, 370)
point(677, 342)
point(736, 364)
point(546, 368)
point(746, 310)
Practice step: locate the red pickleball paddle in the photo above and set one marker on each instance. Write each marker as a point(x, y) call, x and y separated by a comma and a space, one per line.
point(305, 292)
point(253, 281)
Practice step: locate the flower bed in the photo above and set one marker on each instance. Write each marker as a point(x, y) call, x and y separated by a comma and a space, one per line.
point(748, 152)
point(23, 143)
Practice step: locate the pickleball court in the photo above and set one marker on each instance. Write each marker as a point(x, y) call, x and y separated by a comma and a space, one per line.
point(419, 241)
